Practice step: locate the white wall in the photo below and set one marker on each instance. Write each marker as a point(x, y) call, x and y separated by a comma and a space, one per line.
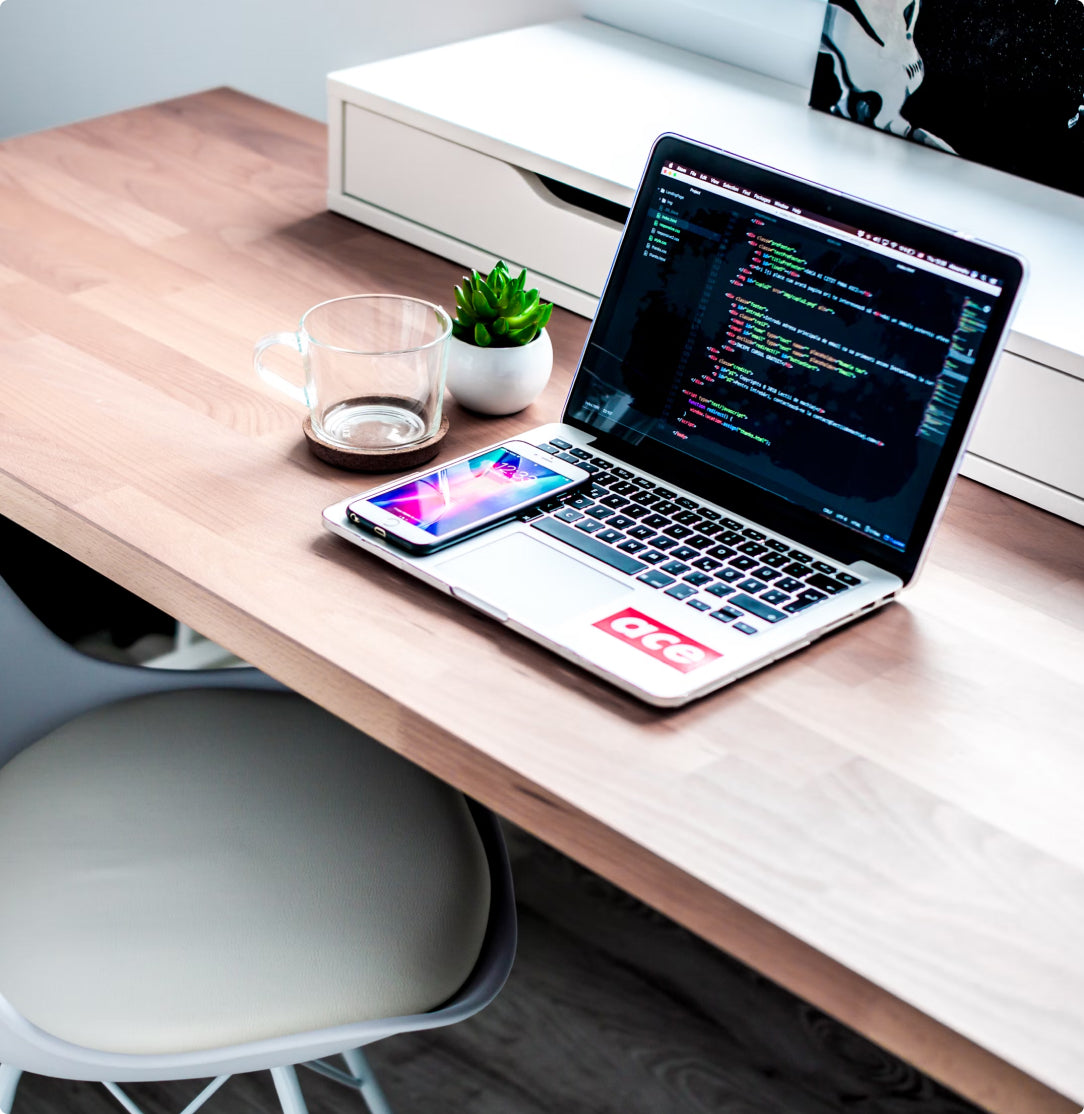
point(66, 60)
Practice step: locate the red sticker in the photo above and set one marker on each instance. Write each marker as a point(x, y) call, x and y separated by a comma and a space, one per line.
point(656, 640)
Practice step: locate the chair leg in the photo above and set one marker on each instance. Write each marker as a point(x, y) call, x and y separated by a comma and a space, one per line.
point(9, 1080)
point(289, 1091)
point(370, 1089)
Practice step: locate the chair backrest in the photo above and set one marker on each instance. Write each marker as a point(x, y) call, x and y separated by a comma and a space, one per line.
point(44, 682)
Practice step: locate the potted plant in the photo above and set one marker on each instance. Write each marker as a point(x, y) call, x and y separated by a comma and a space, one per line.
point(500, 354)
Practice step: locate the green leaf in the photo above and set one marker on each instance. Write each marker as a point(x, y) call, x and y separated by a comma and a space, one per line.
point(524, 335)
point(483, 301)
point(481, 336)
point(543, 318)
point(499, 326)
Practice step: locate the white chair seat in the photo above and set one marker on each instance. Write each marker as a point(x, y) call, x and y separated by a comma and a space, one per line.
point(203, 868)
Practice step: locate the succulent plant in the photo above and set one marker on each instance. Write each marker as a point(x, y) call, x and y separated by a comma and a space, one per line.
point(494, 311)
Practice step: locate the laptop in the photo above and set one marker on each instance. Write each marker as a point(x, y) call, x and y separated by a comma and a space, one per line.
point(773, 401)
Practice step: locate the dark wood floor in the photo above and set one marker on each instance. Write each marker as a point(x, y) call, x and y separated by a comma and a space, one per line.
point(611, 1009)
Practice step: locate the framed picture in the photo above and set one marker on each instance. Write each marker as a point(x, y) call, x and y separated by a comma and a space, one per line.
point(1000, 82)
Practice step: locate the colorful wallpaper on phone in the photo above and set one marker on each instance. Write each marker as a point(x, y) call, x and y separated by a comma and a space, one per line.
point(469, 491)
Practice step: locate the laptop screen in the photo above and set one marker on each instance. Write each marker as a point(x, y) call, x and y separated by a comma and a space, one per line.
point(775, 346)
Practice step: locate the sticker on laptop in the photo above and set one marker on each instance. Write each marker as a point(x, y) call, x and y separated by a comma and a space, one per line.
point(657, 640)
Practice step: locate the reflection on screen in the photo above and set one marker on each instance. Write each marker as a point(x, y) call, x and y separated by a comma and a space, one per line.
point(469, 491)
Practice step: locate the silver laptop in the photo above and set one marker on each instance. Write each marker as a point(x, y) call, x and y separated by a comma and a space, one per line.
point(773, 401)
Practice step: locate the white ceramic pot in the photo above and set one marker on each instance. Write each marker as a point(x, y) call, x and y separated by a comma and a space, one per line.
point(499, 380)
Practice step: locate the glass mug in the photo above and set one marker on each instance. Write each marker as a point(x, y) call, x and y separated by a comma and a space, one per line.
point(374, 369)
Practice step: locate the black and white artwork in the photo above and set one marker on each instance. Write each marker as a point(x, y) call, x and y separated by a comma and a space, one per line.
point(1000, 82)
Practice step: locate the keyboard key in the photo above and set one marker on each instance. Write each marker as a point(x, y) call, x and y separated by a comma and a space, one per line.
point(763, 573)
point(652, 557)
point(708, 513)
point(700, 605)
point(729, 574)
point(753, 549)
point(754, 535)
point(726, 614)
point(579, 501)
point(718, 589)
point(596, 491)
point(621, 521)
point(656, 521)
point(599, 511)
point(775, 597)
point(742, 563)
point(758, 608)
point(631, 546)
point(681, 591)
point(729, 537)
point(678, 531)
point(721, 552)
point(589, 525)
point(745, 628)
point(697, 578)
point(581, 454)
point(624, 473)
point(665, 493)
point(708, 564)
point(675, 567)
point(821, 566)
point(602, 462)
point(776, 560)
point(667, 507)
point(655, 579)
point(664, 543)
point(733, 524)
point(686, 518)
point(682, 501)
point(795, 569)
point(798, 555)
point(789, 584)
point(795, 606)
point(825, 584)
point(625, 562)
point(568, 514)
point(622, 487)
point(641, 532)
point(640, 481)
point(550, 448)
point(635, 510)
point(710, 529)
point(810, 595)
point(698, 541)
point(848, 579)
point(613, 501)
point(560, 444)
point(610, 537)
point(686, 553)
point(568, 458)
point(776, 544)
point(587, 466)
point(749, 584)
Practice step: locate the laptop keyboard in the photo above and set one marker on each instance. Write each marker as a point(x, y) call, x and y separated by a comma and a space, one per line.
point(733, 572)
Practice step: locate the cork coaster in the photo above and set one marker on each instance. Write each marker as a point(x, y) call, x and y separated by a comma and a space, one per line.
point(375, 460)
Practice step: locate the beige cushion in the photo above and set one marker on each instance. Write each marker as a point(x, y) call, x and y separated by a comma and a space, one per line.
point(203, 868)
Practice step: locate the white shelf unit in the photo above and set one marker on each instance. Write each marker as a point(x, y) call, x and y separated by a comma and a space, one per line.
point(531, 166)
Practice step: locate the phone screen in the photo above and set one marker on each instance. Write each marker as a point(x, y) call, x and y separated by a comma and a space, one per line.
point(469, 491)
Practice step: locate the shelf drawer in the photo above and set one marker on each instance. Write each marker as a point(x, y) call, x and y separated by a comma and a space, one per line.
point(485, 203)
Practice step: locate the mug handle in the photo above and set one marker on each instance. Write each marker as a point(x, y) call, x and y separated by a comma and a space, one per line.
point(290, 340)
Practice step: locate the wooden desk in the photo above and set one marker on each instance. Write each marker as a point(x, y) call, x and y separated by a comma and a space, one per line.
point(889, 824)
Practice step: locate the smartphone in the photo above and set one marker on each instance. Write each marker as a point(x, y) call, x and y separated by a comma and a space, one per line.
point(431, 510)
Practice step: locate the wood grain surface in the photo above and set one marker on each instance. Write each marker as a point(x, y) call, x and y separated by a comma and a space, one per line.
point(887, 824)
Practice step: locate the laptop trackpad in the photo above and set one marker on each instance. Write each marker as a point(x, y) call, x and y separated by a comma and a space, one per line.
point(529, 580)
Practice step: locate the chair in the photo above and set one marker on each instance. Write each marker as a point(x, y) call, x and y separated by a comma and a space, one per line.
point(205, 874)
